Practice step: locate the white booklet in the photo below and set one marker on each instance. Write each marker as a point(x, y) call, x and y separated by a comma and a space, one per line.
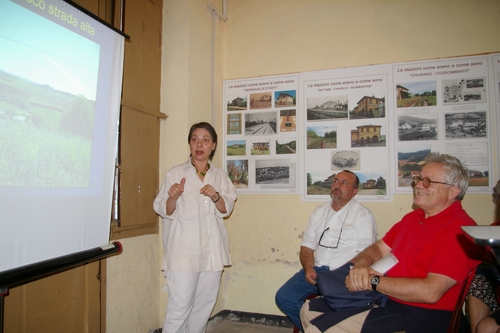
point(385, 264)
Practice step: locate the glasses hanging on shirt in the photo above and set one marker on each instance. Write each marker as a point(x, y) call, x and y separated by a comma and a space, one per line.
point(321, 242)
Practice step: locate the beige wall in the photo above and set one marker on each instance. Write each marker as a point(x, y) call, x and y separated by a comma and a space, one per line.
point(263, 37)
point(281, 36)
point(133, 287)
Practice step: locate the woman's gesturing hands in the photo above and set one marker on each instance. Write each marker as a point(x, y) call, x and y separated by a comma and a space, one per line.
point(176, 189)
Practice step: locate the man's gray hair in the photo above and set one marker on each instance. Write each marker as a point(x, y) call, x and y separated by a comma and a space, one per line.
point(456, 173)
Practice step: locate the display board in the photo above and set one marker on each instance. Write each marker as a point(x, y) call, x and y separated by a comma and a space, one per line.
point(496, 107)
point(378, 121)
point(261, 134)
point(445, 106)
point(346, 126)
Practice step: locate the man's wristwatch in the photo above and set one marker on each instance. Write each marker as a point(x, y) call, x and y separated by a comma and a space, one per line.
point(374, 281)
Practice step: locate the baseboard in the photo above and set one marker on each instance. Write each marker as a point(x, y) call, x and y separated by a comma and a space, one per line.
point(250, 317)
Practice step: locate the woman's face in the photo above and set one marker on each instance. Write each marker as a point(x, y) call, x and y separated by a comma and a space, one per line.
point(201, 144)
point(496, 193)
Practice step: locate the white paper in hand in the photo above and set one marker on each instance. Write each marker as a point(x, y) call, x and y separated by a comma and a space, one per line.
point(385, 264)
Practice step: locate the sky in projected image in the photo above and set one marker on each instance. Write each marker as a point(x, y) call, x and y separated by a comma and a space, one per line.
point(28, 48)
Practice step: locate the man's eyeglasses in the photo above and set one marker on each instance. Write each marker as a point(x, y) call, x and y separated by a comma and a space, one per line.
point(425, 181)
point(324, 231)
point(330, 247)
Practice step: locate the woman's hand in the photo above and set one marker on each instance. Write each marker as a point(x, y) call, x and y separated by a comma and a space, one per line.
point(176, 190)
point(210, 192)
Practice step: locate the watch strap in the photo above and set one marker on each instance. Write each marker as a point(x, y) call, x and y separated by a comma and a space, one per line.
point(375, 281)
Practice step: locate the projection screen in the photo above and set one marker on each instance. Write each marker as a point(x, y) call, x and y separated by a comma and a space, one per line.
point(60, 88)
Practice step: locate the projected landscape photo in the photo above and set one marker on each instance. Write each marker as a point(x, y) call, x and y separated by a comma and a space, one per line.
point(47, 102)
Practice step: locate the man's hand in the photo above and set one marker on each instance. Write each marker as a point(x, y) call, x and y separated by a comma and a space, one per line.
point(359, 278)
point(311, 276)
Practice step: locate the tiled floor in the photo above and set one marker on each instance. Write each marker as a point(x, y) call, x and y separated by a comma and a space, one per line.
point(237, 327)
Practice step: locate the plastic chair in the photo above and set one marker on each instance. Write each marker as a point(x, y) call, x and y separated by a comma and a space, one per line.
point(295, 328)
point(458, 312)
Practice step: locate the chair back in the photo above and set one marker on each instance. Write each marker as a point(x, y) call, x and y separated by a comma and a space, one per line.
point(458, 312)
point(295, 328)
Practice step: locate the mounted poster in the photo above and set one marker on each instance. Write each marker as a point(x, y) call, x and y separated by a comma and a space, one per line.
point(444, 106)
point(496, 107)
point(261, 134)
point(346, 127)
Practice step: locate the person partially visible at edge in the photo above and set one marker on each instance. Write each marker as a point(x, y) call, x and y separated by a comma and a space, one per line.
point(193, 200)
point(482, 306)
point(435, 257)
point(337, 231)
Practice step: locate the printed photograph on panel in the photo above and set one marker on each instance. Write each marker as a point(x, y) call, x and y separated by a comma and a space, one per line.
point(285, 98)
point(372, 183)
point(409, 157)
point(286, 146)
point(369, 135)
point(465, 125)
point(474, 83)
point(236, 103)
point(263, 123)
point(322, 137)
point(363, 106)
point(237, 171)
point(260, 101)
point(272, 171)
point(234, 123)
point(345, 159)
point(416, 127)
point(479, 176)
point(236, 147)
point(261, 147)
point(320, 183)
point(288, 120)
point(416, 94)
point(327, 108)
point(464, 91)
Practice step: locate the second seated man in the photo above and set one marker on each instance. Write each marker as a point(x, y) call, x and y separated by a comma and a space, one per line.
point(337, 231)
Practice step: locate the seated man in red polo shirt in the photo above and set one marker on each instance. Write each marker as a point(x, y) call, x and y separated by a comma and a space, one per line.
point(434, 256)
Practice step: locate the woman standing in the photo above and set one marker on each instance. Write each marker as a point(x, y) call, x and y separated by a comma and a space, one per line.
point(193, 200)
